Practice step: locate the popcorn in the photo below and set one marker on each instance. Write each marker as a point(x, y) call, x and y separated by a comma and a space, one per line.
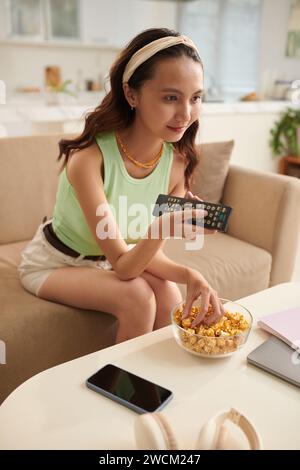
point(223, 337)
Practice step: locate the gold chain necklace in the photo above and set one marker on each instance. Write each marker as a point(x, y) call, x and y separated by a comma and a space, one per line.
point(136, 162)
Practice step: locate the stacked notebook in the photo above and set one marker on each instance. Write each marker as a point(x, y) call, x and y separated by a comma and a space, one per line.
point(280, 354)
point(284, 325)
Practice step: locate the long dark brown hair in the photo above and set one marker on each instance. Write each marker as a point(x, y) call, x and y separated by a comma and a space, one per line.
point(114, 112)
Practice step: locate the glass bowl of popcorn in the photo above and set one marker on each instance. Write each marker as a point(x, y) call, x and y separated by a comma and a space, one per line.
point(221, 339)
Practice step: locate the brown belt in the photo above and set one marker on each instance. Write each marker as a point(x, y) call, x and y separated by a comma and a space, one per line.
point(52, 238)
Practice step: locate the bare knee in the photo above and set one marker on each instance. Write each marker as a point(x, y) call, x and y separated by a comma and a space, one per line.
point(167, 295)
point(172, 287)
point(174, 292)
point(138, 306)
point(167, 291)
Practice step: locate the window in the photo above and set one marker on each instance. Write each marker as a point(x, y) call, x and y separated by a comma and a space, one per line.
point(227, 35)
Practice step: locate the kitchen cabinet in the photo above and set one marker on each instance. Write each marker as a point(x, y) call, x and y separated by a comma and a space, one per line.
point(40, 21)
point(85, 22)
point(23, 19)
point(100, 21)
point(63, 20)
point(116, 22)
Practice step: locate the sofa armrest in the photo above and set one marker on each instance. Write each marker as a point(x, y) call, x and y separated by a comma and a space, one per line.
point(266, 213)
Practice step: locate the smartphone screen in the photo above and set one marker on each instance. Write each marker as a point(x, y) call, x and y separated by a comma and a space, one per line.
point(128, 389)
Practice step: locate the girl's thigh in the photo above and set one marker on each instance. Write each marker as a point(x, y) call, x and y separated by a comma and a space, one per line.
point(95, 289)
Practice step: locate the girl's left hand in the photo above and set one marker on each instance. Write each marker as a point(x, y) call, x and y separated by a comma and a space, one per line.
point(197, 286)
point(190, 195)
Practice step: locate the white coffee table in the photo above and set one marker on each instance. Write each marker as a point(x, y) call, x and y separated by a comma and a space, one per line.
point(55, 410)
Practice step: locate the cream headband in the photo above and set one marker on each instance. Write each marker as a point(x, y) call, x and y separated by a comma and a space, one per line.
point(152, 48)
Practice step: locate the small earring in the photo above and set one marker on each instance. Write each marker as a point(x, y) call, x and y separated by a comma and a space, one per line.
point(132, 108)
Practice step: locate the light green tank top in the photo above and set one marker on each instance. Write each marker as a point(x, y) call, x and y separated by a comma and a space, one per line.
point(131, 199)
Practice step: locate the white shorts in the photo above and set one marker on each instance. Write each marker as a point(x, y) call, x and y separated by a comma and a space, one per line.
point(39, 259)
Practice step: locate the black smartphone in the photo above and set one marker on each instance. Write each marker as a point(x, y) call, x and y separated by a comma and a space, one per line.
point(126, 388)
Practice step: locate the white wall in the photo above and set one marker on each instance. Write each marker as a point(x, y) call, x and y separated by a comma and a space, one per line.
point(272, 62)
point(251, 135)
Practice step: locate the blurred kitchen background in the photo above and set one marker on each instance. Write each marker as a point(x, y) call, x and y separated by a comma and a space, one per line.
point(55, 57)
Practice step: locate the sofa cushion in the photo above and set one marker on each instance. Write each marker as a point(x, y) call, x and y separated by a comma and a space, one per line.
point(233, 268)
point(39, 334)
point(10, 255)
point(210, 174)
point(28, 183)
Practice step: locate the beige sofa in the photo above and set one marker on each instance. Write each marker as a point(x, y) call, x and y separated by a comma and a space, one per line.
point(258, 251)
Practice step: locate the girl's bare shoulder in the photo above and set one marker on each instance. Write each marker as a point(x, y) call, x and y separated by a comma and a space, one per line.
point(85, 161)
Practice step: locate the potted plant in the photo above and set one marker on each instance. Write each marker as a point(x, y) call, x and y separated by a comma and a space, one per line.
point(56, 92)
point(285, 134)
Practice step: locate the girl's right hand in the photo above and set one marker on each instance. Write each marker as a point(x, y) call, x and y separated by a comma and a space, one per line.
point(197, 286)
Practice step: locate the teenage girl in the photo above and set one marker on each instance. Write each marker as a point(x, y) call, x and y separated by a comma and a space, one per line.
point(138, 143)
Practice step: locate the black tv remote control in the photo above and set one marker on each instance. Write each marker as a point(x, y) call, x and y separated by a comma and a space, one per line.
point(216, 219)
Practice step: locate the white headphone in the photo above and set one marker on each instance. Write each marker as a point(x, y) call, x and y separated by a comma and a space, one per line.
point(153, 432)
